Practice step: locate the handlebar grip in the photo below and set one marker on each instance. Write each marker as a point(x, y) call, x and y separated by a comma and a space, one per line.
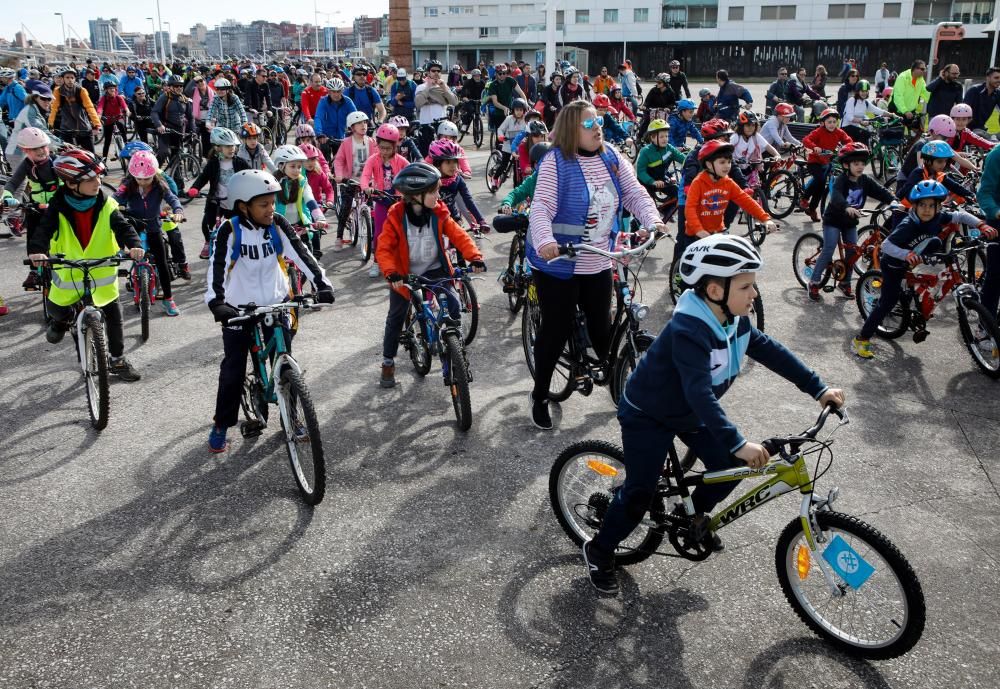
point(510, 223)
point(772, 446)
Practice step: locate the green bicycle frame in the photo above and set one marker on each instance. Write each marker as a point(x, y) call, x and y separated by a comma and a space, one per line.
point(275, 350)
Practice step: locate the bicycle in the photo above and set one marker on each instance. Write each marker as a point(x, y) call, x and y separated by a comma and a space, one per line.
point(89, 334)
point(429, 329)
point(865, 255)
point(576, 369)
point(143, 277)
point(366, 229)
point(496, 170)
point(359, 222)
point(467, 296)
point(181, 165)
point(516, 278)
point(285, 387)
point(844, 579)
point(470, 117)
point(886, 147)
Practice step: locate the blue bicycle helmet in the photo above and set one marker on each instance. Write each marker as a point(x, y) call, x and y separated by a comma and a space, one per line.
point(685, 104)
point(937, 149)
point(133, 147)
point(928, 189)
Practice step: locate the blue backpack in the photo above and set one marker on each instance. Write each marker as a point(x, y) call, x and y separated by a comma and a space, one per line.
point(275, 238)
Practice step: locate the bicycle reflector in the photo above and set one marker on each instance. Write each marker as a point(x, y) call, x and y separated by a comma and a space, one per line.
point(803, 562)
point(602, 468)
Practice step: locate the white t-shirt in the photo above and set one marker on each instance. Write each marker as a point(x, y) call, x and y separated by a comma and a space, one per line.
point(752, 149)
point(226, 172)
point(360, 156)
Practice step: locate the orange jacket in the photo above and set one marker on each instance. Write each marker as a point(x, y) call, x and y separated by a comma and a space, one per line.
point(603, 84)
point(85, 103)
point(707, 201)
point(393, 251)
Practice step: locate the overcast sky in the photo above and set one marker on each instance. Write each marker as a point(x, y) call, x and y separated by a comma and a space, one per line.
point(181, 14)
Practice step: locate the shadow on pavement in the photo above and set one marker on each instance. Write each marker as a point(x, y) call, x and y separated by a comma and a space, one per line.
point(782, 666)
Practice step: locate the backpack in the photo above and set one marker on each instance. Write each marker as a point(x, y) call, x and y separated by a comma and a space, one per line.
point(368, 92)
point(236, 252)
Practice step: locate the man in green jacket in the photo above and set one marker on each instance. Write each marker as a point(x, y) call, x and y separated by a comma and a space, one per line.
point(910, 95)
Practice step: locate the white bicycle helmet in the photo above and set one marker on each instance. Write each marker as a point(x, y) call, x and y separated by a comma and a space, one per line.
point(719, 256)
point(447, 128)
point(355, 117)
point(246, 185)
point(288, 154)
point(221, 136)
point(32, 137)
point(7, 73)
point(221, 83)
point(335, 84)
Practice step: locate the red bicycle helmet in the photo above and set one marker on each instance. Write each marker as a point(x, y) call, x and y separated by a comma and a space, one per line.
point(829, 112)
point(602, 101)
point(715, 128)
point(853, 151)
point(714, 149)
point(249, 129)
point(784, 109)
point(76, 165)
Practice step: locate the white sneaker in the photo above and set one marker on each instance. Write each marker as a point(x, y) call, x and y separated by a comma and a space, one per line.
point(337, 246)
point(374, 272)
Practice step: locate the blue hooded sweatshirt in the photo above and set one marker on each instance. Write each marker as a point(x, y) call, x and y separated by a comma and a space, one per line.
point(695, 359)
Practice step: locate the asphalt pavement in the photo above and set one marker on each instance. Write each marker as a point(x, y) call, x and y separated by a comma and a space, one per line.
point(134, 558)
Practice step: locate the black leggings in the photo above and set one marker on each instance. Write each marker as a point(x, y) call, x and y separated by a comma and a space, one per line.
point(109, 128)
point(558, 300)
point(64, 317)
point(346, 192)
point(84, 140)
point(154, 239)
point(208, 219)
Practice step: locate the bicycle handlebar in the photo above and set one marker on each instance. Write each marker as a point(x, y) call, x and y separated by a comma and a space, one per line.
point(570, 250)
point(252, 311)
point(776, 446)
point(516, 222)
point(61, 260)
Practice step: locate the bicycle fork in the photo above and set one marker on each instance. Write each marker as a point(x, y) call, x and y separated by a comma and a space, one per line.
point(814, 536)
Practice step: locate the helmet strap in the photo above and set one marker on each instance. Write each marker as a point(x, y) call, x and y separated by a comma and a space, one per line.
point(721, 303)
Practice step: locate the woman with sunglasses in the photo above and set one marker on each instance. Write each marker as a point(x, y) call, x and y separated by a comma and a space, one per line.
point(35, 113)
point(582, 189)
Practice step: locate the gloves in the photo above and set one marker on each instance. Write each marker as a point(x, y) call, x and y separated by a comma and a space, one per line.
point(477, 266)
point(325, 296)
point(193, 193)
point(394, 278)
point(10, 201)
point(223, 312)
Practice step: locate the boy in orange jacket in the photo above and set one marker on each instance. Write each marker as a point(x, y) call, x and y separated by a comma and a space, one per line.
point(413, 243)
point(710, 193)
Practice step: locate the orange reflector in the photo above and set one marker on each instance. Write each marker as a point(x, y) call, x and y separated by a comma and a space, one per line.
point(602, 468)
point(803, 562)
point(877, 284)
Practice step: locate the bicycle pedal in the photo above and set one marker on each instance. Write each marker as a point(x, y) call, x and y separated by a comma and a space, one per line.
point(828, 288)
point(920, 336)
point(251, 429)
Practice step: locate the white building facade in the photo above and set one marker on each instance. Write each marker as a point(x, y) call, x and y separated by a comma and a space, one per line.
point(738, 33)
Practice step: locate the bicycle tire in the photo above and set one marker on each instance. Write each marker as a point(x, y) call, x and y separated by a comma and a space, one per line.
point(576, 467)
point(515, 273)
point(493, 167)
point(804, 255)
point(267, 138)
point(477, 130)
point(975, 267)
point(458, 383)
point(878, 166)
point(782, 193)
point(46, 279)
point(145, 298)
point(866, 293)
point(365, 234)
point(987, 362)
point(561, 385)
point(905, 632)
point(868, 259)
point(757, 311)
point(470, 309)
point(294, 280)
point(755, 230)
point(418, 347)
point(677, 285)
point(625, 363)
point(310, 475)
point(493, 138)
point(96, 374)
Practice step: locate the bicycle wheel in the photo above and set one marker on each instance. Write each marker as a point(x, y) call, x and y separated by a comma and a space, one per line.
point(363, 234)
point(184, 169)
point(493, 138)
point(782, 193)
point(677, 285)
point(893, 159)
point(294, 280)
point(458, 380)
point(96, 371)
point(878, 617)
point(561, 385)
point(267, 139)
point(973, 267)
point(477, 130)
point(755, 230)
point(878, 166)
point(415, 342)
point(515, 273)
point(145, 297)
point(804, 256)
point(868, 255)
point(867, 293)
point(626, 362)
point(279, 132)
point(582, 482)
point(302, 440)
point(470, 309)
point(980, 334)
point(494, 167)
point(756, 314)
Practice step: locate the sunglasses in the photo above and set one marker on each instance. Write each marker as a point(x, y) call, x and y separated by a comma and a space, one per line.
point(591, 122)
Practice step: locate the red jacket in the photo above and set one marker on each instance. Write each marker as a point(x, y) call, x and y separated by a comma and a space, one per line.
point(821, 137)
point(310, 99)
point(393, 251)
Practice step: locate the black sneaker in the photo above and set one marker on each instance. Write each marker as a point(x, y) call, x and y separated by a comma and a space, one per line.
point(55, 332)
point(540, 413)
point(600, 569)
point(123, 369)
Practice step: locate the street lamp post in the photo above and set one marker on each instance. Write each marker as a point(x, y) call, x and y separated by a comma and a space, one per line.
point(170, 42)
point(62, 21)
point(152, 25)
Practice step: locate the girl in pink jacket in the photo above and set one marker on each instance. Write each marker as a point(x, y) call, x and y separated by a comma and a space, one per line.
point(349, 162)
point(378, 173)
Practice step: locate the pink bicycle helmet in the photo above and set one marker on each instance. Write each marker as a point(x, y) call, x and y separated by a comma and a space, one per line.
point(961, 110)
point(387, 132)
point(399, 121)
point(310, 151)
point(32, 137)
point(444, 149)
point(942, 125)
point(302, 130)
point(143, 165)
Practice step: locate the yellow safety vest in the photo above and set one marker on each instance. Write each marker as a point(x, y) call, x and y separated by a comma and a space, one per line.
point(67, 283)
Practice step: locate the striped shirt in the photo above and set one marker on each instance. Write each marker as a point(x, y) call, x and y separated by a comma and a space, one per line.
point(603, 205)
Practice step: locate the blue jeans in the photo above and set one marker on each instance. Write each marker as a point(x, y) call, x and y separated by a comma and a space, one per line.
point(646, 442)
point(831, 235)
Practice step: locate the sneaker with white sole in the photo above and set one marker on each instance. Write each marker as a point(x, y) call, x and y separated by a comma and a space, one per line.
point(600, 569)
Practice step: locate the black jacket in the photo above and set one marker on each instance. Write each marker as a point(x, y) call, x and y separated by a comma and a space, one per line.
point(210, 174)
point(257, 97)
point(982, 104)
point(678, 83)
point(849, 194)
point(943, 96)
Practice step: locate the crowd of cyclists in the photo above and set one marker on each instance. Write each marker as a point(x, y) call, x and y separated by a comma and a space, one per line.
point(281, 151)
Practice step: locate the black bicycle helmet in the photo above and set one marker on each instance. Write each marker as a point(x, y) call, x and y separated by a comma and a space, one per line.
point(175, 80)
point(435, 63)
point(519, 103)
point(537, 128)
point(416, 178)
point(537, 151)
